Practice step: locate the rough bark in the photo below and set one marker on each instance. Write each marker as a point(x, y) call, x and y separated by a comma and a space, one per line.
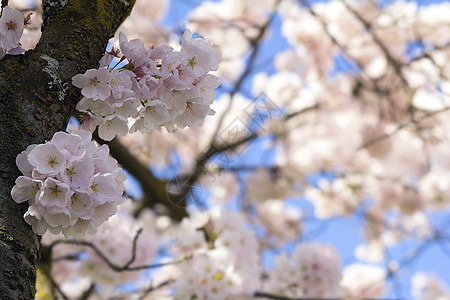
point(36, 100)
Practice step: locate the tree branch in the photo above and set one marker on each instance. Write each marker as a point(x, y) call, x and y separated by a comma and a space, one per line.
point(4, 4)
point(278, 297)
point(154, 189)
point(392, 60)
point(382, 137)
point(113, 266)
point(153, 288)
point(215, 149)
point(254, 53)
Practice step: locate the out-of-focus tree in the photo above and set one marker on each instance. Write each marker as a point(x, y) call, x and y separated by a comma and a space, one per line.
point(347, 119)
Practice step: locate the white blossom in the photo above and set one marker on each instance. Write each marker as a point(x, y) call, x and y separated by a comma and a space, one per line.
point(71, 185)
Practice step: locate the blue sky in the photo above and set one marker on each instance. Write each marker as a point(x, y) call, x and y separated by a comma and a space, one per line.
point(344, 233)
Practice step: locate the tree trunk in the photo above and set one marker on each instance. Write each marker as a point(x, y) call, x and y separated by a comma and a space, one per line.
point(36, 100)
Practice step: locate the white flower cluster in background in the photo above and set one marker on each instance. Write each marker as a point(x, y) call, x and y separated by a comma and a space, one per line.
point(71, 185)
point(115, 240)
point(428, 286)
point(226, 260)
point(313, 270)
point(155, 87)
point(12, 23)
point(363, 281)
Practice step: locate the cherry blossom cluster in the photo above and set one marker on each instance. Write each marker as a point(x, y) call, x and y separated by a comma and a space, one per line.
point(153, 87)
point(12, 23)
point(225, 261)
point(71, 185)
point(428, 286)
point(313, 270)
point(114, 238)
point(363, 281)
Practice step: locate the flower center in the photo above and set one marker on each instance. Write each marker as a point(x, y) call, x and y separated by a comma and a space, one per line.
point(95, 188)
point(54, 192)
point(76, 201)
point(94, 81)
point(52, 160)
point(11, 25)
point(192, 62)
point(71, 172)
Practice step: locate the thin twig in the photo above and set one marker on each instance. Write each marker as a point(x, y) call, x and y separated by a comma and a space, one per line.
point(216, 149)
point(133, 255)
point(255, 43)
point(112, 265)
point(279, 297)
point(394, 62)
point(75, 256)
point(57, 288)
point(153, 288)
point(399, 127)
point(85, 295)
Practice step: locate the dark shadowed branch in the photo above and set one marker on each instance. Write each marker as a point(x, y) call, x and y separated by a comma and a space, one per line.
point(154, 189)
point(382, 137)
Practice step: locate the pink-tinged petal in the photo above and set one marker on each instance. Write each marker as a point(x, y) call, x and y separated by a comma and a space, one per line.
point(16, 51)
point(48, 159)
point(105, 165)
point(55, 230)
point(54, 193)
point(91, 74)
point(89, 91)
point(112, 125)
point(102, 213)
point(58, 219)
point(106, 60)
point(98, 107)
point(25, 189)
point(22, 161)
point(102, 188)
point(33, 218)
point(80, 203)
point(85, 135)
point(187, 35)
point(103, 75)
point(78, 174)
point(79, 229)
point(103, 90)
point(68, 143)
point(11, 27)
point(80, 81)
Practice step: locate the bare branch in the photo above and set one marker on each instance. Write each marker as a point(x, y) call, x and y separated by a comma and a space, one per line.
point(255, 43)
point(393, 61)
point(278, 297)
point(216, 149)
point(113, 266)
point(133, 251)
point(85, 295)
point(153, 288)
point(400, 127)
point(154, 189)
point(57, 288)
